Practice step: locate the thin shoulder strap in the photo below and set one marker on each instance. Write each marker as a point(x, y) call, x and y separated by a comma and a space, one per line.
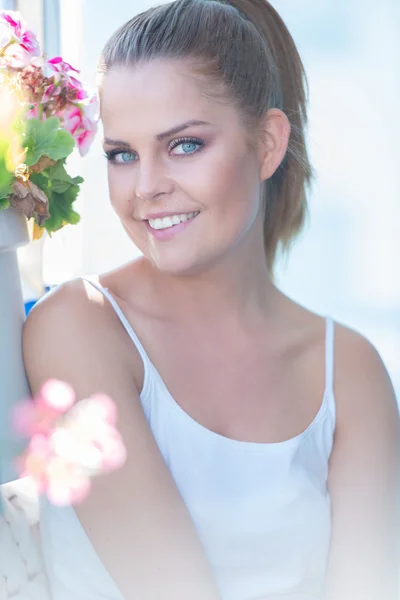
point(329, 353)
point(121, 316)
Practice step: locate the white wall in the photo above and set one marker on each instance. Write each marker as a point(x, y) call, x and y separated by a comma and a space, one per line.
point(346, 264)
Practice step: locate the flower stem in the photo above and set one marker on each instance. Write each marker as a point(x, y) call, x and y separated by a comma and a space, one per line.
point(4, 48)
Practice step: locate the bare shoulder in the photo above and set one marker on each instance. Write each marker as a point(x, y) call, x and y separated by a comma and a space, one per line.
point(72, 334)
point(358, 365)
point(362, 381)
point(367, 436)
point(362, 384)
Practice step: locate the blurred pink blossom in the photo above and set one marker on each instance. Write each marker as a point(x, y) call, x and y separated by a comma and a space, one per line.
point(57, 395)
point(70, 441)
point(34, 462)
point(66, 482)
point(20, 33)
point(89, 434)
point(39, 415)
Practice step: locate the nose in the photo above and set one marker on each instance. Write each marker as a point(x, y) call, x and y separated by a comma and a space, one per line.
point(152, 181)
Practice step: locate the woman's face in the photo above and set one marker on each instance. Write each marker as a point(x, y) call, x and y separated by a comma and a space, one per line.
point(205, 169)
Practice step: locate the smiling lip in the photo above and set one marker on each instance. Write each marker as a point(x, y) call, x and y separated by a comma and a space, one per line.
point(169, 232)
point(160, 215)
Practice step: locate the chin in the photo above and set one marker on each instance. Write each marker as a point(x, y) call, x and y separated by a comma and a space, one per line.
point(178, 267)
point(178, 264)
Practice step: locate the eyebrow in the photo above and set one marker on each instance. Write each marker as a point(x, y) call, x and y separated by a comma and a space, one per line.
point(160, 136)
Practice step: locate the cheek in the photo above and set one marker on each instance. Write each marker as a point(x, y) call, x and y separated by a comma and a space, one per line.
point(235, 187)
point(121, 190)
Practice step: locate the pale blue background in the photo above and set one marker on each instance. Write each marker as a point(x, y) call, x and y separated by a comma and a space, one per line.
point(347, 262)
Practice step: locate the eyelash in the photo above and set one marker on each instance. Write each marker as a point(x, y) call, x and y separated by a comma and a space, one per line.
point(111, 154)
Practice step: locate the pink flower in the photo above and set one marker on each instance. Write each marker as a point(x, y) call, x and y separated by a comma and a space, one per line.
point(81, 121)
point(57, 396)
point(50, 91)
point(34, 461)
point(5, 33)
point(72, 87)
point(64, 68)
point(99, 408)
point(89, 126)
point(72, 119)
point(84, 141)
point(80, 94)
point(70, 441)
point(20, 33)
point(34, 113)
point(16, 57)
point(91, 112)
point(66, 483)
point(39, 415)
point(30, 419)
point(89, 435)
point(114, 452)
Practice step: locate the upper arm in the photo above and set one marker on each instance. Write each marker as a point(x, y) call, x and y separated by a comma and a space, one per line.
point(68, 336)
point(364, 480)
point(134, 517)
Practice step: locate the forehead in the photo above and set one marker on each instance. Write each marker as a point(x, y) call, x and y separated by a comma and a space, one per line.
point(156, 96)
point(154, 84)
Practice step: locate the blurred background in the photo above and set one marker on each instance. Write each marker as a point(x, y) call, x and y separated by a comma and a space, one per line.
point(345, 263)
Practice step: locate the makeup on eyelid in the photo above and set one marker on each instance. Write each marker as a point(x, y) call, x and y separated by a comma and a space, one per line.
point(112, 154)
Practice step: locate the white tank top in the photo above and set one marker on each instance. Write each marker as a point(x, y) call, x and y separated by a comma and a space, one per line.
point(261, 510)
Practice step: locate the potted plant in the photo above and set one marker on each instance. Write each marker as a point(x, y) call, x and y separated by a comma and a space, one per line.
point(45, 113)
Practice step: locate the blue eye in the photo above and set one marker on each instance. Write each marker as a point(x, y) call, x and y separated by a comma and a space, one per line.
point(124, 156)
point(121, 156)
point(114, 155)
point(187, 142)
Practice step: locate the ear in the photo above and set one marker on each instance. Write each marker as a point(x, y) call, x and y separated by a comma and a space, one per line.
point(274, 143)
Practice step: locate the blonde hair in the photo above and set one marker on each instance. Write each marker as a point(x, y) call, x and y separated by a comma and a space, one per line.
point(247, 57)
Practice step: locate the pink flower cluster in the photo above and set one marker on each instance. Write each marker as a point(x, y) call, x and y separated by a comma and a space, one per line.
point(59, 95)
point(79, 114)
point(21, 43)
point(69, 441)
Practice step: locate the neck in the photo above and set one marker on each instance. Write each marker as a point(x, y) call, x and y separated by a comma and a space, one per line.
point(236, 291)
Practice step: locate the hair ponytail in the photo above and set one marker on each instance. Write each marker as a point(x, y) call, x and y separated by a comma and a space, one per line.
point(247, 57)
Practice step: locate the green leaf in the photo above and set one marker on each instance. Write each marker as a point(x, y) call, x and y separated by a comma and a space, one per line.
point(73, 218)
point(55, 221)
point(66, 210)
point(5, 192)
point(61, 190)
point(58, 171)
point(46, 138)
point(60, 180)
point(60, 208)
point(71, 194)
point(4, 203)
point(41, 181)
point(5, 176)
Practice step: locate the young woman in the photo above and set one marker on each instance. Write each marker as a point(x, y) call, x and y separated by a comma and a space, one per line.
point(262, 438)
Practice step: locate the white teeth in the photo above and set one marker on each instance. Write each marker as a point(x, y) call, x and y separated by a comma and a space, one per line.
point(170, 221)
